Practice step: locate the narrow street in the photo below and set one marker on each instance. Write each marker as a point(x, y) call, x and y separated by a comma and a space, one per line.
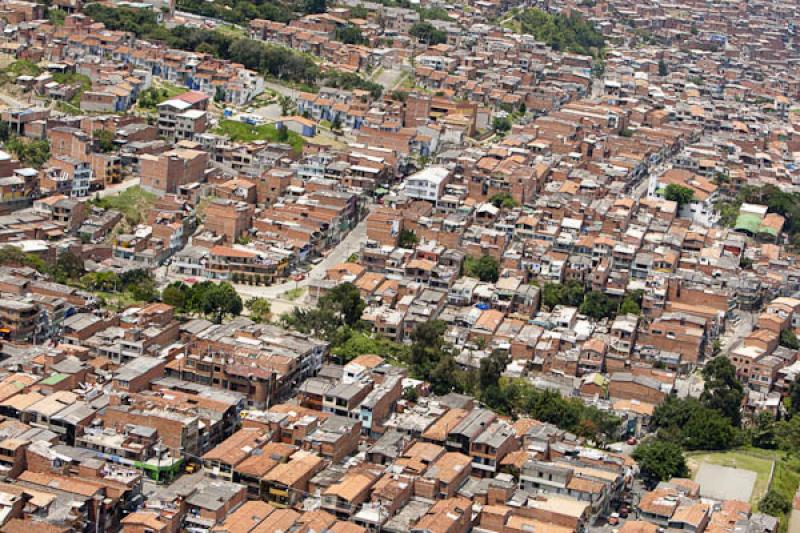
point(276, 294)
point(339, 254)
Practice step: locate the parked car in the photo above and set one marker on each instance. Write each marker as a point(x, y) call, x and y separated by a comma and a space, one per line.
point(613, 520)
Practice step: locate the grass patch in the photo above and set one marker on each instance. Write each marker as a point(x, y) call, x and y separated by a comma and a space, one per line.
point(294, 294)
point(118, 301)
point(159, 92)
point(231, 31)
point(73, 78)
point(754, 460)
point(23, 67)
point(241, 132)
point(785, 482)
point(68, 108)
point(133, 202)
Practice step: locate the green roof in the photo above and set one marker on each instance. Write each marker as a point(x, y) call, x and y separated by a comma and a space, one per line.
point(748, 222)
point(54, 379)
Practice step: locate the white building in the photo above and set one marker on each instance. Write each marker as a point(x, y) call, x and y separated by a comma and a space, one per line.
point(427, 184)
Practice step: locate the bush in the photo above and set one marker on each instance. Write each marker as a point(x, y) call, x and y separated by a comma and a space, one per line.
point(774, 504)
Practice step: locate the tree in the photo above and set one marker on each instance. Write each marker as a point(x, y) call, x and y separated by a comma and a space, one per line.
point(336, 125)
point(345, 298)
point(774, 503)
point(568, 33)
point(569, 293)
point(33, 153)
point(491, 369)
point(722, 390)
point(104, 140)
point(175, 295)
point(101, 281)
point(787, 434)
point(220, 300)
point(426, 345)
point(794, 397)
point(678, 194)
point(763, 434)
point(286, 104)
point(503, 199)
point(629, 307)
point(408, 239)
point(501, 124)
point(283, 133)
point(487, 268)
point(410, 394)
point(660, 460)
point(707, 429)
point(350, 34)
point(260, 309)
point(789, 340)
point(144, 291)
point(69, 267)
point(56, 16)
point(314, 6)
point(662, 68)
point(598, 305)
point(427, 33)
point(693, 425)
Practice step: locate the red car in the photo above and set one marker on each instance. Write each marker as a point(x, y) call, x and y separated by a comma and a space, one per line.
point(299, 277)
point(632, 441)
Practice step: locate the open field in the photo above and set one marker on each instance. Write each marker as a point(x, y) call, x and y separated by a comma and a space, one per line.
point(714, 480)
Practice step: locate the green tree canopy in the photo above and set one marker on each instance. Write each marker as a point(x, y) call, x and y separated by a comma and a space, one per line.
point(350, 34)
point(260, 309)
point(407, 239)
point(774, 504)
point(427, 33)
point(175, 294)
point(789, 339)
point(678, 194)
point(722, 390)
point(487, 268)
point(598, 305)
point(220, 300)
point(568, 33)
point(569, 293)
point(691, 424)
point(503, 199)
point(660, 460)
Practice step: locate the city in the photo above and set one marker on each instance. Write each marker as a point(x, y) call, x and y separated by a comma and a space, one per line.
point(344, 266)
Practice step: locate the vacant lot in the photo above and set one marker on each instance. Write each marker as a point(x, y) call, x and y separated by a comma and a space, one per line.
point(735, 474)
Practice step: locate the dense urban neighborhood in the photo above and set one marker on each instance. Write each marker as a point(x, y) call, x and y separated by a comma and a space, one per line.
point(344, 266)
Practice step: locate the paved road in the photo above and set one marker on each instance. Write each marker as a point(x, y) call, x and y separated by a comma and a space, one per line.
point(390, 77)
point(281, 89)
point(339, 254)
